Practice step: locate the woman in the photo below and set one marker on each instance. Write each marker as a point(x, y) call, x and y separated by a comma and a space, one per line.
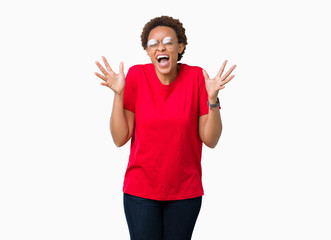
point(167, 109)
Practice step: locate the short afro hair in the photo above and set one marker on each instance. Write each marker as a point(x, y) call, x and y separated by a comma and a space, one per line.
point(165, 21)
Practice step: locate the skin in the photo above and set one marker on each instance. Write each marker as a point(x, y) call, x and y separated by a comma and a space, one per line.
point(122, 120)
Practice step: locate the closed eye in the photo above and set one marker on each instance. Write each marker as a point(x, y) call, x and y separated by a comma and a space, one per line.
point(168, 41)
point(152, 43)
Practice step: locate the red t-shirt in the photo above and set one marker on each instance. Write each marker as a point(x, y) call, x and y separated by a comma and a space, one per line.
point(165, 153)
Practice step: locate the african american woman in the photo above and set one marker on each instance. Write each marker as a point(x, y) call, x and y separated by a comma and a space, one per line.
point(167, 109)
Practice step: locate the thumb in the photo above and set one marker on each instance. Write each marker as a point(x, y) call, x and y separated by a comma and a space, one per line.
point(205, 74)
point(122, 67)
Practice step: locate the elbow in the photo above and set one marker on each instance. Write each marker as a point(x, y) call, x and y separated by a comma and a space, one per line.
point(212, 142)
point(210, 145)
point(119, 139)
point(120, 143)
point(213, 146)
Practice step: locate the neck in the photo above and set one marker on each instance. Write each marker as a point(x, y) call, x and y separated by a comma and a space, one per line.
point(169, 78)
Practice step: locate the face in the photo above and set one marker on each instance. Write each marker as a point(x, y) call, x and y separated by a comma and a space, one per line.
point(165, 55)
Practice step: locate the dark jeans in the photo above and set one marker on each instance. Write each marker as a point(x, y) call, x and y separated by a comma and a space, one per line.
point(161, 220)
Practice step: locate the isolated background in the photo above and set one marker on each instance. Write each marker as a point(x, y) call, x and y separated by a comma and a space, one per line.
point(61, 174)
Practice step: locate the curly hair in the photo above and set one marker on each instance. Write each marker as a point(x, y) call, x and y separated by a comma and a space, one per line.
point(165, 21)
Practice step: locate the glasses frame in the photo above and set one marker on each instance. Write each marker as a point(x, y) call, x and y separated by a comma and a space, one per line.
point(156, 43)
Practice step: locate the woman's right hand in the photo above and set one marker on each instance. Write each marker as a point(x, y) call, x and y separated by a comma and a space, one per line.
point(112, 80)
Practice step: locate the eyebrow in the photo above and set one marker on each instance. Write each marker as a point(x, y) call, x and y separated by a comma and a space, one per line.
point(161, 39)
point(166, 38)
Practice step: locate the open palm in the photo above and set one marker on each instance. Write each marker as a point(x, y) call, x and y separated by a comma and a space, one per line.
point(112, 80)
point(214, 85)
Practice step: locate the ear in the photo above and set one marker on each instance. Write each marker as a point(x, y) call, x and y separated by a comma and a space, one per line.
point(181, 48)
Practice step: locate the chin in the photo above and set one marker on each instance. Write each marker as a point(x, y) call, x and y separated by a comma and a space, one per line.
point(165, 70)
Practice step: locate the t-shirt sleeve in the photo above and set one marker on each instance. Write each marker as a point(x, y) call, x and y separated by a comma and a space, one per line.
point(203, 96)
point(129, 97)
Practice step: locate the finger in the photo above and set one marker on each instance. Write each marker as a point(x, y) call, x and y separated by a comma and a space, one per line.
point(101, 68)
point(107, 64)
point(104, 84)
point(101, 76)
point(220, 72)
point(205, 74)
point(228, 72)
point(221, 87)
point(227, 80)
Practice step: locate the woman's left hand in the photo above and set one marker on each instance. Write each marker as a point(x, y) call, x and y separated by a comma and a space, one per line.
point(214, 85)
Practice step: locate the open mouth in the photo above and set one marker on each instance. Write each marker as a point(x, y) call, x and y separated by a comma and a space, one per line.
point(163, 60)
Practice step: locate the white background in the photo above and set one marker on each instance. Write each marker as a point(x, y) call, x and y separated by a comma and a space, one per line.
point(61, 174)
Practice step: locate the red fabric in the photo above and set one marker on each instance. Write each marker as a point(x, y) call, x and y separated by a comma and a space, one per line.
point(165, 152)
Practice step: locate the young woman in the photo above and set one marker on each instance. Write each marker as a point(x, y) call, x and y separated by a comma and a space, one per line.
point(167, 109)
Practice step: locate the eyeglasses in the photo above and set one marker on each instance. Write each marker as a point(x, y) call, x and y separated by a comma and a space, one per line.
point(167, 42)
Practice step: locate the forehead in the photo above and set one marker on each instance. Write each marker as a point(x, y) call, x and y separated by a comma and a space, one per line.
point(161, 32)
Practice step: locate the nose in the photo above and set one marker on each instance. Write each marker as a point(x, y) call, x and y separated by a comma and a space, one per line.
point(160, 47)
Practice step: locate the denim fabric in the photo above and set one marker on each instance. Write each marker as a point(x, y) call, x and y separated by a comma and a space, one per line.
point(161, 220)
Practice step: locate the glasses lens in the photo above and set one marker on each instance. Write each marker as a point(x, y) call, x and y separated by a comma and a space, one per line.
point(168, 42)
point(152, 44)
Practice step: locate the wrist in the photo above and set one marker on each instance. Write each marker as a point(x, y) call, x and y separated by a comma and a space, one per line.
point(119, 94)
point(213, 104)
point(212, 100)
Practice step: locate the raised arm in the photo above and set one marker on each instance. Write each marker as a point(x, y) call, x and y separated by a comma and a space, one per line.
point(121, 120)
point(210, 125)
